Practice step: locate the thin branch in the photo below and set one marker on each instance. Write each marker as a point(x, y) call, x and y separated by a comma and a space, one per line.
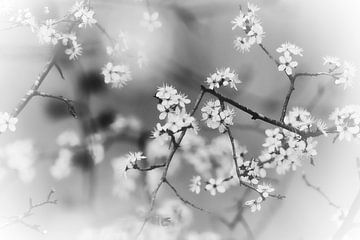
point(287, 98)
point(183, 199)
point(29, 212)
point(269, 55)
point(149, 168)
point(30, 93)
point(68, 102)
point(305, 74)
point(321, 192)
point(255, 115)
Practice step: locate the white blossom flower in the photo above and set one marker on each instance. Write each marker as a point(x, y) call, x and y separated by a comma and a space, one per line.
point(242, 44)
point(286, 63)
point(290, 48)
point(82, 12)
point(116, 75)
point(264, 190)
point(195, 185)
point(332, 61)
point(223, 77)
point(47, 33)
point(214, 186)
point(132, 158)
point(7, 122)
point(347, 77)
point(24, 17)
point(255, 205)
point(347, 122)
point(151, 21)
point(75, 51)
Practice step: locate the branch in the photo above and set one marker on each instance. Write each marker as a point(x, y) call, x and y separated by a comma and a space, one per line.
point(184, 200)
point(149, 168)
point(287, 98)
point(29, 212)
point(318, 189)
point(68, 102)
point(30, 93)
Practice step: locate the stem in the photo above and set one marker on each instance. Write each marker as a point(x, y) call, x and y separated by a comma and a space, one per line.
point(287, 99)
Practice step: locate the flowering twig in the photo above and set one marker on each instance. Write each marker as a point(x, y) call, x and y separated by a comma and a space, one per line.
point(287, 98)
point(29, 212)
point(170, 157)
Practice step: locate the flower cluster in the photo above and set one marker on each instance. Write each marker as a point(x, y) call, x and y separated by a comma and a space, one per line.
point(217, 117)
point(24, 17)
point(342, 73)
point(250, 170)
point(172, 108)
point(223, 77)
point(255, 204)
point(83, 14)
point(347, 122)
point(151, 21)
point(7, 122)
point(285, 150)
point(251, 25)
point(116, 75)
point(286, 62)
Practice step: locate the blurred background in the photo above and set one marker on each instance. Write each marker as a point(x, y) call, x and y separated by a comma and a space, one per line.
point(195, 39)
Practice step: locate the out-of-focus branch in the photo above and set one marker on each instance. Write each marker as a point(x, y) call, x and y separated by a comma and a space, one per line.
point(320, 191)
point(29, 212)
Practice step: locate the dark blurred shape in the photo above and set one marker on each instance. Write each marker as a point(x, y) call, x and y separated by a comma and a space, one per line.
point(91, 82)
point(186, 16)
point(83, 160)
point(105, 119)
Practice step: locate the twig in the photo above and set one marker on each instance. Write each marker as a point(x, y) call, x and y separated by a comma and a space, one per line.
point(287, 98)
point(183, 199)
point(29, 212)
point(68, 102)
point(150, 167)
point(321, 192)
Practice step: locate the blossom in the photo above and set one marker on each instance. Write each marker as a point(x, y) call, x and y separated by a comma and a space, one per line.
point(290, 48)
point(255, 205)
point(347, 122)
point(195, 185)
point(286, 63)
point(82, 12)
point(116, 75)
point(214, 186)
point(24, 17)
point(47, 33)
point(7, 122)
point(223, 77)
point(347, 76)
point(242, 44)
point(150, 21)
point(132, 158)
point(332, 61)
point(264, 190)
point(249, 23)
point(215, 117)
point(75, 51)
